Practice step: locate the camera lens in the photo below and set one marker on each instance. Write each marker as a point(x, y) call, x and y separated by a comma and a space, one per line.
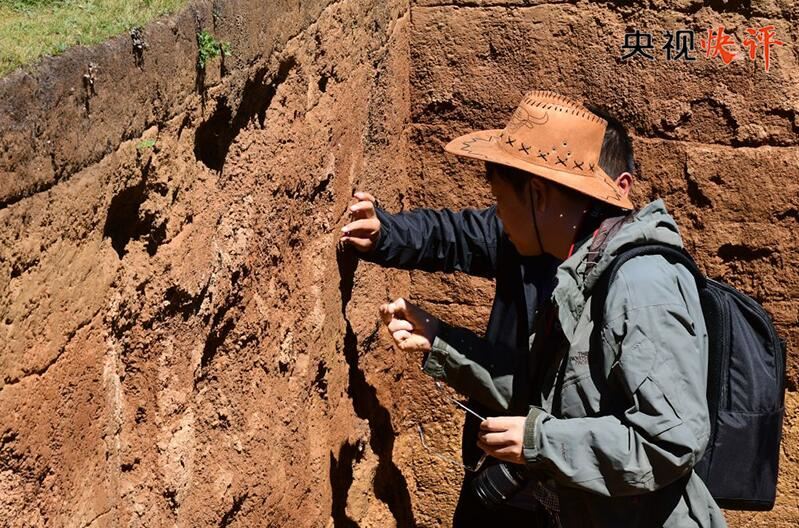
point(495, 484)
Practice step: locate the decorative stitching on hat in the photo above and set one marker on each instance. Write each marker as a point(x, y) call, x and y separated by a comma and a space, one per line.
point(543, 155)
point(561, 103)
point(467, 145)
point(539, 94)
point(510, 141)
point(521, 117)
point(591, 166)
point(578, 164)
point(525, 148)
point(562, 162)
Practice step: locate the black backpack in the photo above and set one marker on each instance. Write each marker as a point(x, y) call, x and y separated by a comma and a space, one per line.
point(745, 388)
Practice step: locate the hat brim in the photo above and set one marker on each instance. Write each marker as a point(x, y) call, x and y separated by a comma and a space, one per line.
point(484, 145)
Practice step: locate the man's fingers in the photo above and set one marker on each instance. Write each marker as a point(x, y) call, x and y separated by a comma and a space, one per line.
point(494, 424)
point(495, 439)
point(363, 209)
point(398, 307)
point(400, 324)
point(392, 308)
point(363, 226)
point(414, 343)
point(365, 234)
point(385, 313)
point(401, 335)
point(361, 244)
point(393, 311)
point(485, 447)
point(493, 449)
point(361, 195)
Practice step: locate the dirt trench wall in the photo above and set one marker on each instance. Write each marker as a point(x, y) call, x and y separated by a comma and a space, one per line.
point(180, 342)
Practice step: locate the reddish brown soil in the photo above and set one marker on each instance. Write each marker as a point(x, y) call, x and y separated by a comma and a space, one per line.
point(180, 341)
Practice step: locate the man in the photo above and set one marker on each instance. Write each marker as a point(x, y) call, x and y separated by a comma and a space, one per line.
point(619, 414)
point(474, 242)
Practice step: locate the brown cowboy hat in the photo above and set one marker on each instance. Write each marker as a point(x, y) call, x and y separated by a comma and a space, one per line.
point(550, 136)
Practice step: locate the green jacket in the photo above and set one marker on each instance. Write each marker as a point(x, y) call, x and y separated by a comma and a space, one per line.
point(618, 430)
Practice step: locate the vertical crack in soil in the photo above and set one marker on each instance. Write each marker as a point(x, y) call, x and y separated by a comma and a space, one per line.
point(234, 510)
point(340, 482)
point(216, 337)
point(221, 325)
point(320, 380)
point(695, 194)
point(214, 136)
point(390, 485)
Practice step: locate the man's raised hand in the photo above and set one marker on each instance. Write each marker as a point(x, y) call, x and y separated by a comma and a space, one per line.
point(412, 328)
point(362, 233)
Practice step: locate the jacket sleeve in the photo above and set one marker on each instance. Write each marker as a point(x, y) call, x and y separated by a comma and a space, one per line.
point(490, 373)
point(661, 368)
point(438, 240)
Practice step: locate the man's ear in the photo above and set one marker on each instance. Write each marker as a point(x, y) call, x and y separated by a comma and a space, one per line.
point(538, 191)
point(625, 182)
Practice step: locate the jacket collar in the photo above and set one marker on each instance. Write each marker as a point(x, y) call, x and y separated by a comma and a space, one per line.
point(652, 223)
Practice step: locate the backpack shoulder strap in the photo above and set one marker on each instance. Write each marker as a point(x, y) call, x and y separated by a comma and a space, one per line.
point(671, 253)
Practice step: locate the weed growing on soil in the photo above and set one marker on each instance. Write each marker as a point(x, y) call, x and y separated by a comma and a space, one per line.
point(208, 48)
point(145, 144)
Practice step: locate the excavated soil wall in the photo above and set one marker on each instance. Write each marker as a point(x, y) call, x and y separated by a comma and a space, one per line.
point(182, 344)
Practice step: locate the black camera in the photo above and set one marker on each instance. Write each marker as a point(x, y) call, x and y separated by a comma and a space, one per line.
point(496, 483)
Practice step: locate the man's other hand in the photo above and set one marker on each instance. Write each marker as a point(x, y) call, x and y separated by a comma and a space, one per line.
point(502, 437)
point(364, 230)
point(412, 328)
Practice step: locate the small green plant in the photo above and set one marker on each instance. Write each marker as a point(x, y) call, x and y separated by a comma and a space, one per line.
point(208, 48)
point(145, 144)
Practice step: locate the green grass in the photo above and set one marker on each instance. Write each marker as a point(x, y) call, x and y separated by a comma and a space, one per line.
point(145, 144)
point(30, 29)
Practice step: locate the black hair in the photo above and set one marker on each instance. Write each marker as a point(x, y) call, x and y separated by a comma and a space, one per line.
point(616, 155)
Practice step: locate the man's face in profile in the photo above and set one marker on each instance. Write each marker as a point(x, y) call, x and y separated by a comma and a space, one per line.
point(513, 208)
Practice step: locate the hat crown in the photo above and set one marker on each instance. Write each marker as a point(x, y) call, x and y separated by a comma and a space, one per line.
point(553, 130)
point(539, 97)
